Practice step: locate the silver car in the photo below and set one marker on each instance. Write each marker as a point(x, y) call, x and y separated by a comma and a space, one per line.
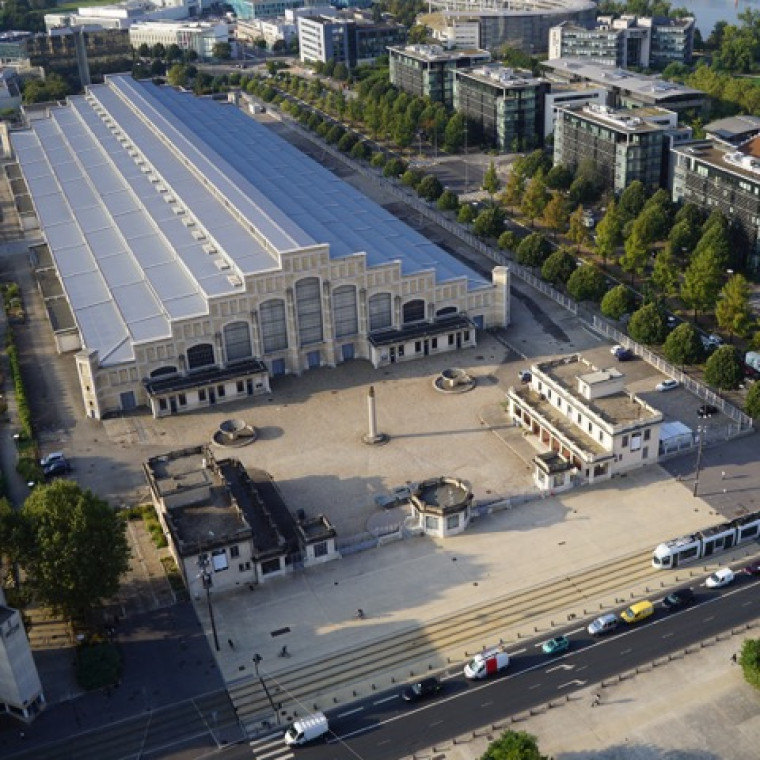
point(604, 624)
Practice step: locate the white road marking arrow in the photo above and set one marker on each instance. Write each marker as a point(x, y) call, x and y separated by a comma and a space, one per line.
point(576, 682)
point(563, 666)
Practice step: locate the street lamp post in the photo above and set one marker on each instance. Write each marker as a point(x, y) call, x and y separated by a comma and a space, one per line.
point(701, 432)
point(257, 658)
point(205, 576)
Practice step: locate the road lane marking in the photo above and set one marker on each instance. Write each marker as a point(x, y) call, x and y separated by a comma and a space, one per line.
point(626, 651)
point(667, 635)
point(563, 666)
point(350, 712)
point(387, 699)
point(535, 686)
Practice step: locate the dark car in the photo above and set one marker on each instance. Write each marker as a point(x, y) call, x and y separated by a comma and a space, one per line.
point(57, 469)
point(625, 355)
point(681, 598)
point(707, 410)
point(427, 687)
point(752, 569)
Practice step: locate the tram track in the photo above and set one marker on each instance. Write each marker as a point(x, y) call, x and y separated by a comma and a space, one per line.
point(446, 639)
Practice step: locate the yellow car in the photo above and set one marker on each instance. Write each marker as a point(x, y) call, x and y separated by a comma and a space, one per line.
point(638, 612)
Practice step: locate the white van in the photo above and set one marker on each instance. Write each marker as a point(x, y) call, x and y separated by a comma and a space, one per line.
point(307, 729)
point(487, 663)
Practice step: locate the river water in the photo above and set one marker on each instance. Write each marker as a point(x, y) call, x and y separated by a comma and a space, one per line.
point(709, 12)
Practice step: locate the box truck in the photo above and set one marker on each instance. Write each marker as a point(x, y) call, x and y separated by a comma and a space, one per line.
point(487, 663)
point(307, 729)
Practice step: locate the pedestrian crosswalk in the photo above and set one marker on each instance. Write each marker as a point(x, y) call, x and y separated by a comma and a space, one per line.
point(271, 747)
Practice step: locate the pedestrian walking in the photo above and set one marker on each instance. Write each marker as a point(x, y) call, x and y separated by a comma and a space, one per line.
point(734, 658)
point(232, 644)
point(596, 700)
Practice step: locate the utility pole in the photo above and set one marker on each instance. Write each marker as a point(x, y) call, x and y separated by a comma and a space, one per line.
point(205, 576)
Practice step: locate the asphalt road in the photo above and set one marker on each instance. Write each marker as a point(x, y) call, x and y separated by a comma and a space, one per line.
point(376, 729)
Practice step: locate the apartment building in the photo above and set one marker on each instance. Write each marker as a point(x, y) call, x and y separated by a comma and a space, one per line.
point(591, 427)
point(199, 36)
point(349, 40)
point(505, 105)
point(627, 89)
point(427, 71)
point(626, 41)
point(714, 176)
point(624, 145)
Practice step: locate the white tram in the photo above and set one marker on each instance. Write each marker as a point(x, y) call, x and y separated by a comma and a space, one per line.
point(704, 543)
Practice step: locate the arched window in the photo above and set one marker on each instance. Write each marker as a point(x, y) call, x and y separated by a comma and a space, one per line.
point(446, 311)
point(344, 311)
point(161, 371)
point(199, 356)
point(414, 311)
point(309, 310)
point(237, 341)
point(274, 328)
point(380, 311)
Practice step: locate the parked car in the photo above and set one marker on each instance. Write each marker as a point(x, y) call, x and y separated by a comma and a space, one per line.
point(525, 376)
point(614, 350)
point(427, 687)
point(625, 355)
point(48, 460)
point(752, 569)
point(681, 598)
point(707, 410)
point(57, 469)
point(722, 577)
point(556, 645)
point(667, 385)
point(603, 624)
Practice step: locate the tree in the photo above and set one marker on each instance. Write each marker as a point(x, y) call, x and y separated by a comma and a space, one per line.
point(177, 75)
point(558, 268)
point(453, 136)
point(684, 346)
point(489, 222)
point(222, 51)
point(466, 214)
point(578, 231)
point(411, 178)
point(724, 368)
point(508, 241)
point(587, 283)
point(533, 250)
point(682, 240)
point(617, 302)
point(632, 201)
point(360, 151)
point(701, 282)
point(394, 168)
point(534, 198)
point(430, 188)
point(448, 201)
point(491, 181)
point(514, 190)
point(609, 233)
point(647, 325)
point(559, 178)
point(73, 548)
point(634, 260)
point(733, 311)
point(582, 190)
point(752, 408)
point(513, 745)
point(555, 213)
